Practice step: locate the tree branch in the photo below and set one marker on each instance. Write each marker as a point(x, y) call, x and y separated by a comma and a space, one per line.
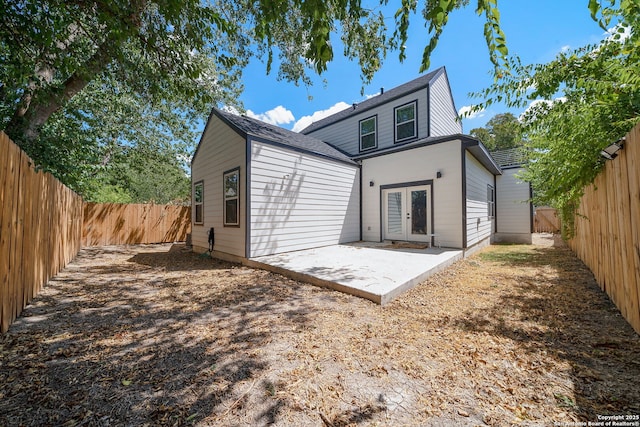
point(39, 102)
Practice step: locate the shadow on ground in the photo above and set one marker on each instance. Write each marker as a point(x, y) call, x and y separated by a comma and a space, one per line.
point(157, 336)
point(131, 344)
point(575, 324)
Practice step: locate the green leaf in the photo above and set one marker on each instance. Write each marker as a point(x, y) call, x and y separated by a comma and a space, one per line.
point(594, 7)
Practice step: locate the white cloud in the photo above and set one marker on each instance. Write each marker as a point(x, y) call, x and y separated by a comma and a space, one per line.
point(276, 116)
point(472, 115)
point(619, 33)
point(565, 48)
point(538, 105)
point(319, 115)
point(231, 109)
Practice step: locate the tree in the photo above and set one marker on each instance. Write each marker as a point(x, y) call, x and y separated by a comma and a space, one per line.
point(64, 65)
point(79, 78)
point(53, 49)
point(502, 131)
point(141, 175)
point(583, 100)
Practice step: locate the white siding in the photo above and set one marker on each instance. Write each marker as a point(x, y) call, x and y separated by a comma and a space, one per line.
point(443, 111)
point(345, 134)
point(418, 164)
point(513, 209)
point(220, 150)
point(300, 201)
point(479, 224)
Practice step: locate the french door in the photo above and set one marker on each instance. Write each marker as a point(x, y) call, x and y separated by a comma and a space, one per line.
point(406, 213)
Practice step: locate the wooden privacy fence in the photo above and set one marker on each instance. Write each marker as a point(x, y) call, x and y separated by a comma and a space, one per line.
point(607, 235)
point(116, 224)
point(43, 224)
point(40, 229)
point(545, 220)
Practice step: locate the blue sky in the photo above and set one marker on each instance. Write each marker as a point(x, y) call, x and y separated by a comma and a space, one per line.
point(535, 30)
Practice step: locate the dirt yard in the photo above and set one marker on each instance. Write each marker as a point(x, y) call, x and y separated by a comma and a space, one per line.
point(155, 335)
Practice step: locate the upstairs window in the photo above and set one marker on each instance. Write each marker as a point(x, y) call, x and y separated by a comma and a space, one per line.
point(198, 199)
point(368, 138)
point(406, 127)
point(232, 197)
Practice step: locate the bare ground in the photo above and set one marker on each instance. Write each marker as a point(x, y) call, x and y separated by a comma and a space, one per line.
point(155, 335)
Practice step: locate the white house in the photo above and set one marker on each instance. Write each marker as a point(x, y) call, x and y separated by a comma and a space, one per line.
point(265, 190)
point(514, 210)
point(393, 167)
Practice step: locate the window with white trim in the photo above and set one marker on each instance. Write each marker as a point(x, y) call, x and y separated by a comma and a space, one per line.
point(406, 123)
point(231, 181)
point(198, 202)
point(491, 201)
point(368, 137)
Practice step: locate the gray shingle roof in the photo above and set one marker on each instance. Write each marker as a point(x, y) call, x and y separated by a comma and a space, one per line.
point(248, 126)
point(510, 157)
point(373, 102)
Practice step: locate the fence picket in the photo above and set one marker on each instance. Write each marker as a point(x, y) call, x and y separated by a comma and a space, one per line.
point(607, 237)
point(545, 220)
point(134, 224)
point(43, 224)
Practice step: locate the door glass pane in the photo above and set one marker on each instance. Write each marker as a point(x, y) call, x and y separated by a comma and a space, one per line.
point(419, 212)
point(394, 213)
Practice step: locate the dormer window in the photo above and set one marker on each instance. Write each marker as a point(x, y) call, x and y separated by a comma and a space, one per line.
point(406, 125)
point(368, 138)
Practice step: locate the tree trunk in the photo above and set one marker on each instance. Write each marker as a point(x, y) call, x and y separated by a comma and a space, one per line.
point(41, 107)
point(40, 103)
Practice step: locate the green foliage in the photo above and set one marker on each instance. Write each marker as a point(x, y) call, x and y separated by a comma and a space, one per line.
point(436, 16)
point(501, 132)
point(80, 80)
point(585, 99)
point(109, 193)
point(140, 175)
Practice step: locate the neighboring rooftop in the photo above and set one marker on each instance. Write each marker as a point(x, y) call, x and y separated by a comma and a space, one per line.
point(385, 96)
point(248, 126)
point(510, 157)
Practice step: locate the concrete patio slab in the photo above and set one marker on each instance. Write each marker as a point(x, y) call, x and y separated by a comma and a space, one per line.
point(376, 271)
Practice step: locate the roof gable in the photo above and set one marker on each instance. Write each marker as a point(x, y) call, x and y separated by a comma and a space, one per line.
point(375, 101)
point(247, 126)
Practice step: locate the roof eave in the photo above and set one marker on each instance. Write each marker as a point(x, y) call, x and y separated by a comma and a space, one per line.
point(480, 152)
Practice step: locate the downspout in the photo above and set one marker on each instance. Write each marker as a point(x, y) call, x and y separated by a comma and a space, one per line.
point(360, 201)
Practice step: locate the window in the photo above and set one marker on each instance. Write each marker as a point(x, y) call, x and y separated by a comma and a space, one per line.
point(368, 138)
point(231, 189)
point(198, 197)
point(491, 201)
point(406, 122)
